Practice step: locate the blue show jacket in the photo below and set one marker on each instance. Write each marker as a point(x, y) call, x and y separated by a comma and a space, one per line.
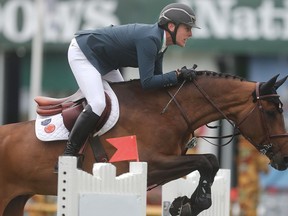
point(132, 45)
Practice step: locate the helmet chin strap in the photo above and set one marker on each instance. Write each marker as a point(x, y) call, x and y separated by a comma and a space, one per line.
point(173, 33)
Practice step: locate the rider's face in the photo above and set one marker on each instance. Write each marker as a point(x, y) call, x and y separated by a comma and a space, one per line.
point(184, 32)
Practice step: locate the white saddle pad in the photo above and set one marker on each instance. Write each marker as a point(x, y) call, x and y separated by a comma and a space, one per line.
point(50, 128)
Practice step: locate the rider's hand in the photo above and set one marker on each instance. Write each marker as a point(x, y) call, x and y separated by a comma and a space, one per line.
point(186, 74)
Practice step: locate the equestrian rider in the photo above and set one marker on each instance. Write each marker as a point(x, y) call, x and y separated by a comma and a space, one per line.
point(96, 55)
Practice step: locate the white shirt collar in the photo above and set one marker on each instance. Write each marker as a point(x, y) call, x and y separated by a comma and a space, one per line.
point(164, 46)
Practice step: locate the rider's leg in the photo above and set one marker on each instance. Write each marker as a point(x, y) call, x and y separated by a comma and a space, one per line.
point(90, 83)
point(88, 119)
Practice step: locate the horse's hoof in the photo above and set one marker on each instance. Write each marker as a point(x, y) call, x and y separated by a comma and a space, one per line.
point(203, 202)
point(176, 206)
point(182, 207)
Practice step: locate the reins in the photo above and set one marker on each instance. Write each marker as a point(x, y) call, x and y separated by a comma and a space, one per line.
point(192, 142)
point(263, 148)
point(235, 133)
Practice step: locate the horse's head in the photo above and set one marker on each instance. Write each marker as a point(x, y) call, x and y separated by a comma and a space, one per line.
point(264, 125)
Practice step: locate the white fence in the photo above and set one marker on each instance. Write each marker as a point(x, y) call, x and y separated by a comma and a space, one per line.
point(104, 193)
point(185, 187)
point(83, 194)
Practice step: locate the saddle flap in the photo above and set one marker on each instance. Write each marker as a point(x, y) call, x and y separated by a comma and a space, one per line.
point(70, 115)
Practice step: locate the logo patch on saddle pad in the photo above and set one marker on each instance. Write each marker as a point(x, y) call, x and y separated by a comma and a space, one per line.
point(46, 122)
point(42, 125)
point(50, 128)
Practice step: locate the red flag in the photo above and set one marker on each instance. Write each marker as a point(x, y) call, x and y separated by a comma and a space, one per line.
point(126, 148)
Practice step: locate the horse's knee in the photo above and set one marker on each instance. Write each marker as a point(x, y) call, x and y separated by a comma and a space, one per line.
point(206, 168)
point(213, 161)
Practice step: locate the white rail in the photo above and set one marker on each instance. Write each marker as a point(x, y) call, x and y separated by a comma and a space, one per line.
point(83, 194)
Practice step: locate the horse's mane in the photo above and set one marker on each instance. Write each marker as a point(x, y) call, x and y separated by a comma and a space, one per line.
point(217, 74)
point(198, 73)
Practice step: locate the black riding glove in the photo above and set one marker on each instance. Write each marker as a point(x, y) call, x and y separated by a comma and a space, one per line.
point(186, 74)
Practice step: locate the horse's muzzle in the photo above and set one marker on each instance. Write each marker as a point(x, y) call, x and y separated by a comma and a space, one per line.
point(279, 163)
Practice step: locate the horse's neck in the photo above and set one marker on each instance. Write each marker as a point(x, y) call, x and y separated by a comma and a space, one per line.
point(231, 96)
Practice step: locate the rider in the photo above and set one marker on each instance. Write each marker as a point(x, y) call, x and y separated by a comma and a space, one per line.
point(96, 55)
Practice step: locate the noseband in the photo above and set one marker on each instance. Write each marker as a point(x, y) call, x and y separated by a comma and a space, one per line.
point(265, 147)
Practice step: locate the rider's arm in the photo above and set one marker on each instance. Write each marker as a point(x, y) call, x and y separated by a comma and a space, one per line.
point(150, 66)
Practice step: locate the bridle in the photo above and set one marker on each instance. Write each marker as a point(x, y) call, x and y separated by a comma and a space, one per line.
point(265, 147)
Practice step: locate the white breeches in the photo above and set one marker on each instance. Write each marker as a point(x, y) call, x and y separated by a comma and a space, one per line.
point(89, 79)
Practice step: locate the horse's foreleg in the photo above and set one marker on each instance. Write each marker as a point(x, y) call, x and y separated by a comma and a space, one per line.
point(174, 167)
point(206, 179)
point(168, 168)
point(201, 198)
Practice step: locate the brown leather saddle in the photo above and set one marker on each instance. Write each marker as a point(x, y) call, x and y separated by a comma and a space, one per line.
point(70, 107)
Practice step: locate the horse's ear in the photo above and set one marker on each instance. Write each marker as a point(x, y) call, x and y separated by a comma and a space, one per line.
point(280, 82)
point(267, 86)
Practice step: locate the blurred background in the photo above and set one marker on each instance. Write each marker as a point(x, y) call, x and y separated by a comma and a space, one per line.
point(241, 37)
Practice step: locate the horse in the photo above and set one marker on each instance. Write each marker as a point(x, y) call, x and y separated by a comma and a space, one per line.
point(163, 121)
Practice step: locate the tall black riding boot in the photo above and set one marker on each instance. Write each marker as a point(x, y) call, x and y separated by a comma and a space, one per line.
point(83, 126)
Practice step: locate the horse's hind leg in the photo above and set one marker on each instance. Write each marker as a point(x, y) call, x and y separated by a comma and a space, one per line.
point(16, 206)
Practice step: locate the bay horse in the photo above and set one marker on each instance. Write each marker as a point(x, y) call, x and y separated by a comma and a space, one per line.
point(255, 110)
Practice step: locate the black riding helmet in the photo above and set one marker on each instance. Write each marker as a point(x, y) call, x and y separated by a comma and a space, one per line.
point(176, 13)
